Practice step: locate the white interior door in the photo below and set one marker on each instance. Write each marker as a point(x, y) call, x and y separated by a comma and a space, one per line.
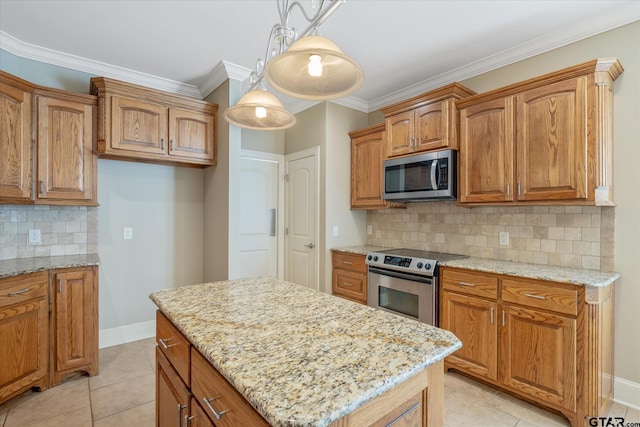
point(261, 216)
point(302, 218)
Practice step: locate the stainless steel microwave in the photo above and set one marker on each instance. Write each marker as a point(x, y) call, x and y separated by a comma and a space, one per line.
point(421, 177)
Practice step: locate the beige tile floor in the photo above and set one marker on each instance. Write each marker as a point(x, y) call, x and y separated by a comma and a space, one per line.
point(123, 395)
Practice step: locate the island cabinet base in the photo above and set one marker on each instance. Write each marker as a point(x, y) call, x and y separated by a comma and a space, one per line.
point(417, 402)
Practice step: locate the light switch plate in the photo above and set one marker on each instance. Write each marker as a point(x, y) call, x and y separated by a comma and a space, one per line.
point(127, 233)
point(369, 230)
point(336, 230)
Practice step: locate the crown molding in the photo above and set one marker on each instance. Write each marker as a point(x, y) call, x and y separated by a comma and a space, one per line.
point(221, 72)
point(96, 68)
point(582, 30)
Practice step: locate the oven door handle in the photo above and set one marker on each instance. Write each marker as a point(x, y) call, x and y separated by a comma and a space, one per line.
point(396, 274)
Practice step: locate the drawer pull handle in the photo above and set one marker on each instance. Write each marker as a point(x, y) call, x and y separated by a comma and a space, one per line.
point(347, 262)
point(216, 414)
point(180, 408)
point(535, 296)
point(471, 285)
point(347, 284)
point(164, 344)
point(187, 419)
point(20, 292)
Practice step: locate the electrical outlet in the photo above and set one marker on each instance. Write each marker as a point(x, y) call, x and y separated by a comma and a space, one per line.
point(34, 237)
point(127, 233)
point(336, 230)
point(504, 238)
point(369, 230)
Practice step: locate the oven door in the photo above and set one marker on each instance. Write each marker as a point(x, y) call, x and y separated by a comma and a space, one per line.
point(405, 294)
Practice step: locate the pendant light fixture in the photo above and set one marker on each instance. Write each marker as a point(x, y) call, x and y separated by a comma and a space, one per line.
point(308, 67)
point(314, 68)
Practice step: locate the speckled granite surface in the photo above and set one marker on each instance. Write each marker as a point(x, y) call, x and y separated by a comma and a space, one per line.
point(575, 276)
point(299, 357)
point(362, 250)
point(14, 267)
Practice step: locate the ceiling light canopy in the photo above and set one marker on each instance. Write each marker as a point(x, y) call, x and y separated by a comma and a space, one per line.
point(309, 67)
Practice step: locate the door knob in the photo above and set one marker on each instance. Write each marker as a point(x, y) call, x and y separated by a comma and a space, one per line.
point(310, 246)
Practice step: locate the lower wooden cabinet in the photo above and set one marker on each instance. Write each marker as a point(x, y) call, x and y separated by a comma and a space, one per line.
point(543, 341)
point(24, 334)
point(349, 276)
point(172, 395)
point(48, 328)
point(74, 294)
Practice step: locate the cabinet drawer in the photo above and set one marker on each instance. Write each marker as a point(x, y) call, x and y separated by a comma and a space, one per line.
point(470, 282)
point(541, 295)
point(173, 345)
point(348, 261)
point(23, 288)
point(349, 284)
point(214, 393)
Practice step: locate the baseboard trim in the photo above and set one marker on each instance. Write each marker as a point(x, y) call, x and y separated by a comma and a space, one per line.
point(626, 393)
point(127, 333)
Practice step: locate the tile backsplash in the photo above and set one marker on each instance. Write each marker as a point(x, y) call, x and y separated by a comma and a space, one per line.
point(567, 236)
point(65, 230)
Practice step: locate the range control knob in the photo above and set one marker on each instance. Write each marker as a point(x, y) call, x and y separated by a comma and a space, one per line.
point(369, 257)
point(375, 258)
point(419, 265)
point(427, 266)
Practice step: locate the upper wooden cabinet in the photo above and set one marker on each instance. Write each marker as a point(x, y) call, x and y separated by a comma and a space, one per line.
point(46, 151)
point(147, 125)
point(546, 140)
point(367, 157)
point(66, 165)
point(424, 122)
point(15, 139)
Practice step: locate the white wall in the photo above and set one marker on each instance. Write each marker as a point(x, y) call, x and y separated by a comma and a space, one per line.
point(163, 205)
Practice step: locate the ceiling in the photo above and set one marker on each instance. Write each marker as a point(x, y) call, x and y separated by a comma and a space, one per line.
point(404, 47)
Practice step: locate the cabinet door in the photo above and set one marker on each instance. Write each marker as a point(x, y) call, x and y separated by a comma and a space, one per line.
point(538, 355)
point(431, 126)
point(367, 181)
point(172, 396)
point(138, 126)
point(552, 142)
point(399, 134)
point(473, 321)
point(15, 143)
point(74, 294)
point(66, 162)
point(191, 135)
point(486, 152)
point(24, 334)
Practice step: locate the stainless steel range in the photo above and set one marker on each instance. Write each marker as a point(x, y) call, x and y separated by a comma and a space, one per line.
point(405, 282)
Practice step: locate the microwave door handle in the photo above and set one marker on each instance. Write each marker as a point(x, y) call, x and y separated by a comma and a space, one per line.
point(434, 167)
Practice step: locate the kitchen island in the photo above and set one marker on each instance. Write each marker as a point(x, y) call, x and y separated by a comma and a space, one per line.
point(303, 358)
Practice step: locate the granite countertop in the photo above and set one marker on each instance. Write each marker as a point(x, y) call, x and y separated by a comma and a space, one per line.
point(299, 357)
point(361, 250)
point(576, 276)
point(15, 267)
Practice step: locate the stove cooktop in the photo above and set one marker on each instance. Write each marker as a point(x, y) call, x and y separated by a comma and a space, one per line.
point(410, 260)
